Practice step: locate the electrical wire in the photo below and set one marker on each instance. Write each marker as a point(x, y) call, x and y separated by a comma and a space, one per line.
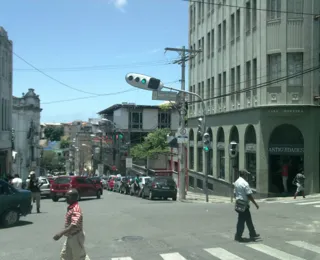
point(96, 96)
point(101, 67)
point(265, 84)
point(248, 8)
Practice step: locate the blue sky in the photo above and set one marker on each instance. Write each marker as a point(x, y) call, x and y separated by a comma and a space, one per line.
point(90, 45)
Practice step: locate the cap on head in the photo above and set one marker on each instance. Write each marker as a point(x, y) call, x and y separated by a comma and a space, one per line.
point(243, 172)
point(32, 173)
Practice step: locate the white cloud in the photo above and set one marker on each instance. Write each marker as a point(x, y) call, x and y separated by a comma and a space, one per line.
point(154, 51)
point(120, 4)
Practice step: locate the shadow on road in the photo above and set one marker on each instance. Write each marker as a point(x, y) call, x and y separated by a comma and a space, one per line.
point(21, 223)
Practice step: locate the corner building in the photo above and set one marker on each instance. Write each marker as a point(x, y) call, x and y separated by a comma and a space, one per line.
point(270, 45)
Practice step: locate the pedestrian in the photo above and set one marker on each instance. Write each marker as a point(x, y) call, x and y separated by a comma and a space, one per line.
point(243, 196)
point(299, 181)
point(34, 187)
point(17, 182)
point(73, 248)
point(285, 173)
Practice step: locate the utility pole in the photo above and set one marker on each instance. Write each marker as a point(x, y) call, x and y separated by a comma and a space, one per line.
point(183, 58)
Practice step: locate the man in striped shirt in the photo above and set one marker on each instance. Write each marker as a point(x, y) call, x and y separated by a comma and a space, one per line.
point(73, 248)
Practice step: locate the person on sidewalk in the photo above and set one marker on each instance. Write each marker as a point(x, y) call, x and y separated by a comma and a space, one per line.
point(243, 195)
point(299, 181)
point(285, 174)
point(34, 187)
point(73, 248)
point(17, 182)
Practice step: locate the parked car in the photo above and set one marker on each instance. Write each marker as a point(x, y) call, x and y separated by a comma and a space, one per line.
point(111, 182)
point(45, 187)
point(84, 186)
point(14, 204)
point(104, 181)
point(160, 187)
point(98, 182)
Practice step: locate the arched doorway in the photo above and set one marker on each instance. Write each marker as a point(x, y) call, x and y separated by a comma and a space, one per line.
point(250, 142)
point(286, 150)
point(210, 153)
point(191, 149)
point(221, 153)
point(234, 162)
point(200, 152)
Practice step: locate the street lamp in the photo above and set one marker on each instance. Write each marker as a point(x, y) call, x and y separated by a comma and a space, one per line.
point(153, 84)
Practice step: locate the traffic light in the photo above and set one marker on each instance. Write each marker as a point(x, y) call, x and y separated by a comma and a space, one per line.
point(206, 142)
point(200, 126)
point(143, 81)
point(120, 136)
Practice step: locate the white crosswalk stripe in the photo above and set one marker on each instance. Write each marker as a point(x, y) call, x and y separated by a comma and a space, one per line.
point(172, 256)
point(315, 202)
point(224, 254)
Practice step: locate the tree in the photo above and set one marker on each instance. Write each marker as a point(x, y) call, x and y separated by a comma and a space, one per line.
point(166, 106)
point(51, 161)
point(64, 143)
point(155, 143)
point(53, 133)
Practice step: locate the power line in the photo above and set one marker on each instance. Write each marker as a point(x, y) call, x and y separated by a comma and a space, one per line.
point(248, 8)
point(96, 96)
point(265, 84)
point(102, 67)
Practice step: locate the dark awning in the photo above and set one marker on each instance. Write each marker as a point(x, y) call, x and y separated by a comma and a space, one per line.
point(174, 143)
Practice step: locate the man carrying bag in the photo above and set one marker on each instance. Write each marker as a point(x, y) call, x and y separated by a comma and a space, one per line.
point(243, 195)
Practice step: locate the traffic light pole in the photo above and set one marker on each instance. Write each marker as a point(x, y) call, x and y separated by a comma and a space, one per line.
point(183, 58)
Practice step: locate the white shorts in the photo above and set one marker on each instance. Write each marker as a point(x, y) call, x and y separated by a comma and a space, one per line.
point(299, 187)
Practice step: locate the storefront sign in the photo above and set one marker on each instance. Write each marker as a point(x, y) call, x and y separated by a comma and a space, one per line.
point(251, 148)
point(220, 146)
point(286, 150)
point(286, 111)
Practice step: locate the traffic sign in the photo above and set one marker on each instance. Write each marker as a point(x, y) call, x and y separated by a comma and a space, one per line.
point(164, 95)
point(128, 162)
point(182, 139)
point(183, 131)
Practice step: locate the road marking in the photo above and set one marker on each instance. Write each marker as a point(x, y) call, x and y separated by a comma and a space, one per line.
point(309, 203)
point(172, 256)
point(305, 245)
point(222, 254)
point(122, 258)
point(278, 254)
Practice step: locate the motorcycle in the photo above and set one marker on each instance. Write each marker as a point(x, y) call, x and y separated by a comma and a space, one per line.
point(124, 187)
point(134, 190)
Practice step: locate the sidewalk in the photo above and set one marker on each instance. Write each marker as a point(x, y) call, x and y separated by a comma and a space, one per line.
point(315, 195)
point(193, 197)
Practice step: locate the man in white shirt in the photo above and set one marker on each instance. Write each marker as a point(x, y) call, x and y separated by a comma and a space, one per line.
point(243, 195)
point(17, 182)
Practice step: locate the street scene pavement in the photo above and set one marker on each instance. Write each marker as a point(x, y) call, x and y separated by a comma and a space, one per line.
point(122, 227)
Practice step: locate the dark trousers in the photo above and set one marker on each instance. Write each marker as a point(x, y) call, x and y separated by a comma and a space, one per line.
point(245, 217)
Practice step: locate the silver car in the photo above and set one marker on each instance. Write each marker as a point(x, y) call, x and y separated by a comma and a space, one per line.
point(45, 187)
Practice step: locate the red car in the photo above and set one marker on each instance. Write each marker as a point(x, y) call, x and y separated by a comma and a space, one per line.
point(84, 186)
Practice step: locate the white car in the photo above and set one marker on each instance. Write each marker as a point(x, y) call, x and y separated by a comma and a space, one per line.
point(44, 188)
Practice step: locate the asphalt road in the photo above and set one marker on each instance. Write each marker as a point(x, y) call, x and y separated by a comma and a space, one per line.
point(123, 226)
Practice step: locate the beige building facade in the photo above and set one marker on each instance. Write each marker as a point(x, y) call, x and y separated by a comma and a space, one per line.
point(259, 76)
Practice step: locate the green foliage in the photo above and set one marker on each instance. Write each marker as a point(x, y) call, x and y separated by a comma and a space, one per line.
point(166, 106)
point(155, 143)
point(51, 161)
point(64, 143)
point(53, 133)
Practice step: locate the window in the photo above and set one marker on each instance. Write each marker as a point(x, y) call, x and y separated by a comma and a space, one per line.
point(224, 39)
point(199, 12)
point(191, 17)
point(238, 82)
point(232, 80)
point(295, 8)
point(219, 36)
point(135, 120)
point(232, 27)
point(191, 59)
point(202, 10)
point(164, 119)
point(274, 67)
point(202, 89)
point(254, 76)
point(295, 67)
point(254, 13)
point(212, 42)
point(200, 161)
point(224, 90)
point(212, 87)
point(274, 9)
point(191, 157)
point(248, 16)
point(219, 85)
point(208, 89)
point(202, 48)
point(208, 44)
point(238, 24)
point(248, 71)
point(199, 45)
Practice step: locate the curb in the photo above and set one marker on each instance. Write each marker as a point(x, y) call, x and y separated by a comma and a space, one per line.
point(285, 198)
